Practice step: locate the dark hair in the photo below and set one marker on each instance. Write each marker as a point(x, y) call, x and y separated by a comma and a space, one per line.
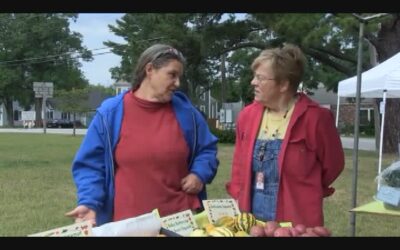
point(158, 55)
point(288, 63)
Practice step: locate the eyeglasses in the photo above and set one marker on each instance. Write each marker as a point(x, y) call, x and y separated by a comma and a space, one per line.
point(261, 78)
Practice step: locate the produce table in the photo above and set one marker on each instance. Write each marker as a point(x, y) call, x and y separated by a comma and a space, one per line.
point(376, 207)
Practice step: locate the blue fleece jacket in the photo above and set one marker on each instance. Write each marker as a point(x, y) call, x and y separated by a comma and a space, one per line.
point(93, 165)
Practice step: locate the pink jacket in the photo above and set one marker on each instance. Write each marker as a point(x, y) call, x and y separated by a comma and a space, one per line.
point(311, 158)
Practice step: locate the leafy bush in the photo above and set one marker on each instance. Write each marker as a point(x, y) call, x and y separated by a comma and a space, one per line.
point(368, 129)
point(348, 129)
point(224, 136)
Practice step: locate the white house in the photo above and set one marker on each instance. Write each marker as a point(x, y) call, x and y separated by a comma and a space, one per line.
point(207, 104)
point(121, 86)
point(3, 114)
point(94, 99)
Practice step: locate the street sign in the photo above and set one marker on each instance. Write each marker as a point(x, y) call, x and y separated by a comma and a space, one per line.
point(222, 115)
point(43, 89)
point(28, 115)
point(228, 116)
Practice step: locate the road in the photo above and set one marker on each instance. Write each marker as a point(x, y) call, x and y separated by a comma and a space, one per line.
point(367, 144)
point(78, 131)
point(347, 142)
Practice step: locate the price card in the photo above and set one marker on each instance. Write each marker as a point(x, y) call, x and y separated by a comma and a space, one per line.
point(81, 229)
point(222, 207)
point(182, 223)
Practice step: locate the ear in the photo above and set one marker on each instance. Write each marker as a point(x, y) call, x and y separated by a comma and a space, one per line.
point(284, 86)
point(149, 69)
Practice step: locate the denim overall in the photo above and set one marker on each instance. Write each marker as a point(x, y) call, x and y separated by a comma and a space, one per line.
point(265, 159)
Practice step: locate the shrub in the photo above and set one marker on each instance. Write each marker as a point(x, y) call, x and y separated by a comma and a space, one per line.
point(224, 136)
point(368, 130)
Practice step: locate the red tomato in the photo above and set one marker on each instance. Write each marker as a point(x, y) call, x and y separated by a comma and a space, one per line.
point(294, 232)
point(308, 235)
point(270, 227)
point(322, 231)
point(300, 228)
point(257, 231)
point(282, 232)
point(310, 232)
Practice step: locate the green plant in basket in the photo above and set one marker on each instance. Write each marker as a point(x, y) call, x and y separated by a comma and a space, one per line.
point(392, 178)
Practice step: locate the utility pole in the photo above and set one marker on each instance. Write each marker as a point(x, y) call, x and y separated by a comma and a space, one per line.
point(222, 109)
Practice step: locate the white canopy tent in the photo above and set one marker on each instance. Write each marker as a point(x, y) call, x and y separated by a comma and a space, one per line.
point(381, 81)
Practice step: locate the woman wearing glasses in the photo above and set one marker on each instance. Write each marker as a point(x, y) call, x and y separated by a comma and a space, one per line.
point(146, 148)
point(287, 151)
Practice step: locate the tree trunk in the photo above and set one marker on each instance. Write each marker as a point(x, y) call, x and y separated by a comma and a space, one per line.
point(223, 90)
point(388, 45)
point(377, 123)
point(73, 124)
point(377, 118)
point(10, 112)
point(391, 129)
point(38, 112)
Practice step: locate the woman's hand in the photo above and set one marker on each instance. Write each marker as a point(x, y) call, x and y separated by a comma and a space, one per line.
point(191, 184)
point(83, 213)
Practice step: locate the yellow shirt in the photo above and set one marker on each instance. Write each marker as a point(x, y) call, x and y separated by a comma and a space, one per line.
point(273, 126)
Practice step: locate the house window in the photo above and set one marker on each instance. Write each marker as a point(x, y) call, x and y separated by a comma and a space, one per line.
point(203, 93)
point(17, 115)
point(366, 116)
point(65, 116)
point(49, 114)
point(203, 96)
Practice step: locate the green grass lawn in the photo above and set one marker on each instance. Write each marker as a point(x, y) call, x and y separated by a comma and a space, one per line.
point(36, 187)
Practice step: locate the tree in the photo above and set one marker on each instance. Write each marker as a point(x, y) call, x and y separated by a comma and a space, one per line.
point(183, 31)
point(73, 101)
point(37, 48)
point(329, 41)
point(386, 42)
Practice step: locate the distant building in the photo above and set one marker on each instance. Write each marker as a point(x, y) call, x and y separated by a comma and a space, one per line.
point(52, 113)
point(121, 86)
point(229, 114)
point(328, 99)
point(206, 103)
point(3, 115)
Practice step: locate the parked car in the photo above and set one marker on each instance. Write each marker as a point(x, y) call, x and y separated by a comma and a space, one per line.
point(59, 123)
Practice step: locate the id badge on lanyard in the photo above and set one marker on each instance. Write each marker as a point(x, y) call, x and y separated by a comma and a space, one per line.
point(260, 180)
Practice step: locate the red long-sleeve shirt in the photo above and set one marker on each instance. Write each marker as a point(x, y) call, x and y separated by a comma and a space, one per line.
point(151, 160)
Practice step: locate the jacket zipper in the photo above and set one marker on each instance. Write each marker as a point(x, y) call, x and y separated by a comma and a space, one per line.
point(109, 145)
point(194, 141)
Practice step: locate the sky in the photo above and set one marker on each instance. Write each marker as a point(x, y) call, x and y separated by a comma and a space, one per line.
point(94, 29)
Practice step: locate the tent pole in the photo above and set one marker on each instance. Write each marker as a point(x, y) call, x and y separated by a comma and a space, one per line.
point(337, 111)
point(356, 133)
point(381, 136)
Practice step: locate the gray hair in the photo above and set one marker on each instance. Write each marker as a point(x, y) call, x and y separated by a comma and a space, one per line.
point(158, 55)
point(288, 63)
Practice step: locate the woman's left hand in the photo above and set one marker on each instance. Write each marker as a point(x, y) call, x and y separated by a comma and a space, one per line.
point(191, 184)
